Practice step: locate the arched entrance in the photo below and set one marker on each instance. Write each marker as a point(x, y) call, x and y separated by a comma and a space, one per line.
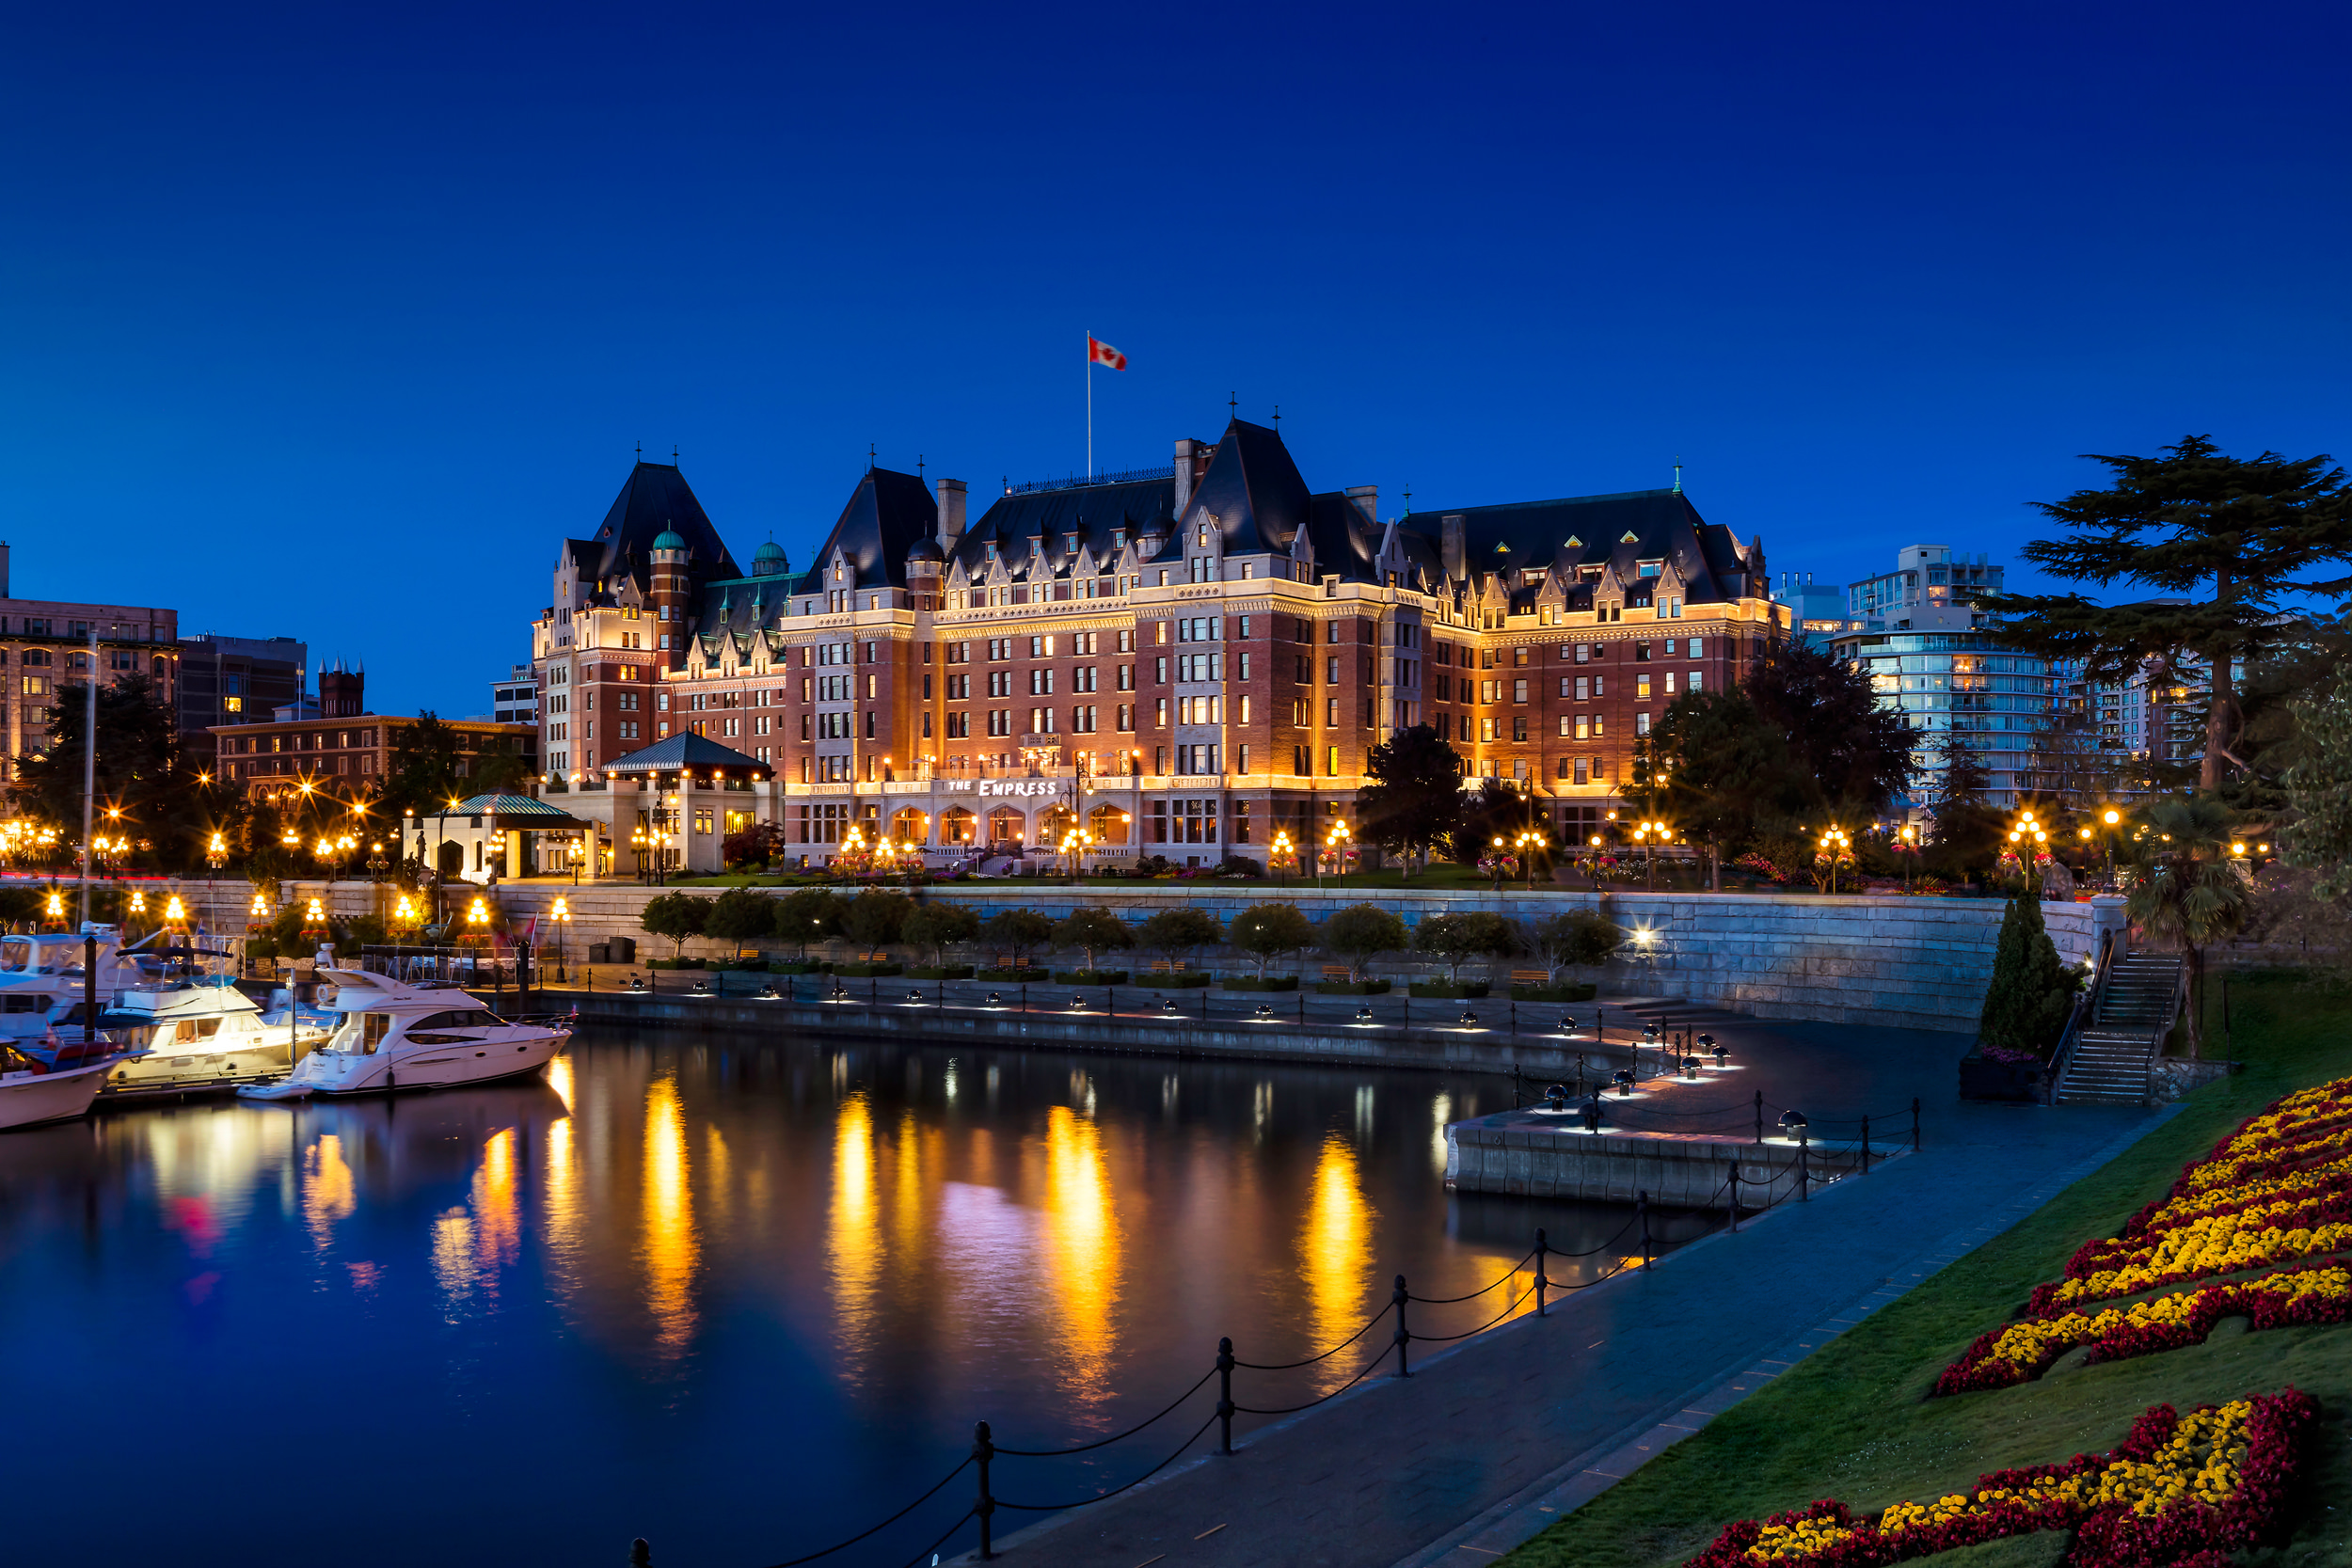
point(1109, 825)
point(957, 826)
point(1007, 829)
point(451, 857)
point(911, 826)
point(1057, 822)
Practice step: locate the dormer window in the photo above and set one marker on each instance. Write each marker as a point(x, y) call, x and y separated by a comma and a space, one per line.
point(1204, 536)
point(1648, 568)
point(991, 549)
point(1070, 542)
point(1589, 574)
point(1119, 539)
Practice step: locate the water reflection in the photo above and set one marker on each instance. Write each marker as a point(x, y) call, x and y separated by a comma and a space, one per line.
point(670, 1247)
point(1081, 1250)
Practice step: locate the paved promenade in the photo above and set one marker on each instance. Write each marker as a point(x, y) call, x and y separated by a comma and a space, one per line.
point(1486, 1445)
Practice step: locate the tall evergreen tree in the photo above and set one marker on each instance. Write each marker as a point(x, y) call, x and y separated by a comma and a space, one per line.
point(1414, 800)
point(2231, 534)
point(1856, 753)
point(2026, 1005)
point(143, 789)
point(2319, 786)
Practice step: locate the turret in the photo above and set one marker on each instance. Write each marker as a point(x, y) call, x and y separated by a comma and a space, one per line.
point(670, 591)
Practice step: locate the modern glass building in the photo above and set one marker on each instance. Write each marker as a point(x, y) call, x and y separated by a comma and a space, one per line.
point(1919, 643)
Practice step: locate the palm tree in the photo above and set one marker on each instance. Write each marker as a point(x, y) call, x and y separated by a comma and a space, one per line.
point(2186, 889)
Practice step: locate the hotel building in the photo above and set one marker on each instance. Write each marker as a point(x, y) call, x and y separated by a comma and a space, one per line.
point(1180, 661)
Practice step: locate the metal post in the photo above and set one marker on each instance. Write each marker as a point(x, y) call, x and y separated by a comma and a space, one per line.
point(1759, 1114)
point(1024, 996)
point(640, 1555)
point(1804, 1186)
point(1402, 1337)
point(983, 1449)
point(1641, 1209)
point(1734, 1200)
point(873, 990)
point(1515, 1015)
point(1225, 1392)
point(1865, 1146)
point(1302, 1007)
point(1204, 1003)
point(1915, 1124)
point(1540, 1281)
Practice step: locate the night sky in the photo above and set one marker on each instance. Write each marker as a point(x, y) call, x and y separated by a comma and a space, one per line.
point(328, 322)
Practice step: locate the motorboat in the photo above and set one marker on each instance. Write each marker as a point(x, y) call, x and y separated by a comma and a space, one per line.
point(36, 1093)
point(177, 1031)
point(413, 1035)
point(42, 979)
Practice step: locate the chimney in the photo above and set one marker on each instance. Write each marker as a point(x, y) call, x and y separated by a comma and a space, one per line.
point(951, 514)
point(1367, 500)
point(1453, 544)
point(1187, 450)
point(4, 569)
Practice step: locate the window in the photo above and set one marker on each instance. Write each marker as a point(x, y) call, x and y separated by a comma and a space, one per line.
point(1696, 676)
point(1641, 688)
point(1331, 713)
point(1330, 761)
point(1519, 691)
point(1640, 723)
point(1518, 726)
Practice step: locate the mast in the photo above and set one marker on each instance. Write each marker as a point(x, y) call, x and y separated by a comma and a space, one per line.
point(90, 767)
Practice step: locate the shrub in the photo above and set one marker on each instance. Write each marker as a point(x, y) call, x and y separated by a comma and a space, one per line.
point(1089, 977)
point(1240, 865)
point(676, 916)
point(1271, 931)
point(939, 926)
point(1180, 931)
point(1579, 938)
point(1352, 987)
point(1454, 939)
point(1020, 932)
point(1453, 990)
point(2027, 1006)
point(1091, 931)
point(1361, 933)
point(874, 918)
point(740, 914)
point(811, 914)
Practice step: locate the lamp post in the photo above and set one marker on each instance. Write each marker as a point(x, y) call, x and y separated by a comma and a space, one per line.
point(1907, 845)
point(2113, 820)
point(2030, 838)
point(561, 915)
point(1527, 844)
point(377, 863)
point(1281, 854)
point(1649, 834)
point(1335, 844)
point(1837, 848)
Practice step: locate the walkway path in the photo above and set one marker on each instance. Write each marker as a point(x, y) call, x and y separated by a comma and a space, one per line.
point(1483, 1446)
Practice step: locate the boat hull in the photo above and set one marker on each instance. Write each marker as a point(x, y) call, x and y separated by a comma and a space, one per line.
point(440, 1067)
point(32, 1099)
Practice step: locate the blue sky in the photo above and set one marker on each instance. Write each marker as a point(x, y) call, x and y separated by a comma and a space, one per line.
point(331, 322)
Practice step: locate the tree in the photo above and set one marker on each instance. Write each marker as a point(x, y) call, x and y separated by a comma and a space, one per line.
point(939, 926)
point(2319, 787)
point(1715, 768)
point(2027, 1006)
point(811, 914)
point(1414, 800)
point(1454, 939)
point(422, 775)
point(2233, 533)
point(498, 770)
point(1857, 754)
point(753, 848)
point(1496, 811)
point(1091, 930)
point(1967, 828)
point(140, 772)
point(740, 915)
point(1180, 932)
point(678, 916)
point(1271, 931)
point(874, 918)
point(1020, 932)
point(1580, 939)
point(1360, 933)
point(2186, 889)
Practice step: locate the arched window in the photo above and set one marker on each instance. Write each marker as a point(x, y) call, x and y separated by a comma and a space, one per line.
point(1057, 822)
point(1007, 825)
point(911, 826)
point(1109, 824)
point(955, 826)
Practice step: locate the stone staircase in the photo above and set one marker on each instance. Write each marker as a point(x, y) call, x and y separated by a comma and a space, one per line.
point(2111, 1058)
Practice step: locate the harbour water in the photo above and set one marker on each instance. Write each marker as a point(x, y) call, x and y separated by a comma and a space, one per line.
point(740, 1299)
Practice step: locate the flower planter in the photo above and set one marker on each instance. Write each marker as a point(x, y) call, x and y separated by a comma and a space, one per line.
point(1447, 990)
point(1980, 1078)
point(1250, 982)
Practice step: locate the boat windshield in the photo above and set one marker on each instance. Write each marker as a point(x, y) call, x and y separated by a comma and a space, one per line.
point(360, 1034)
point(16, 956)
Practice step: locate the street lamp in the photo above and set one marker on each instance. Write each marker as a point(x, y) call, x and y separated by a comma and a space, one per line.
point(562, 916)
point(1649, 834)
point(1334, 848)
point(1527, 844)
point(1837, 849)
point(377, 863)
point(1282, 855)
point(2030, 841)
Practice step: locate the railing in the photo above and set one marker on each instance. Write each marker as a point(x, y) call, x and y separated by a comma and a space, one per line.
point(1122, 476)
point(2085, 1011)
point(1734, 1198)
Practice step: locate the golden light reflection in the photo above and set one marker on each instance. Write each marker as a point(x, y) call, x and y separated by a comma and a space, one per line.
point(326, 1190)
point(471, 1243)
point(670, 1249)
point(559, 1080)
point(852, 1244)
point(1335, 1254)
point(1081, 1248)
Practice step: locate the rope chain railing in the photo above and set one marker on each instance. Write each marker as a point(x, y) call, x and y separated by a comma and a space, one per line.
point(1735, 1196)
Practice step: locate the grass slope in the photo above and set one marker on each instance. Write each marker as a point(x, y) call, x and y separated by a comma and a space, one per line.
point(1852, 1421)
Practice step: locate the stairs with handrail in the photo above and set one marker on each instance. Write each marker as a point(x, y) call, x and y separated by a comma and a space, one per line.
point(2111, 1059)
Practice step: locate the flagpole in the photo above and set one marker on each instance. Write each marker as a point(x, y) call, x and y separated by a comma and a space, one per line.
point(1090, 376)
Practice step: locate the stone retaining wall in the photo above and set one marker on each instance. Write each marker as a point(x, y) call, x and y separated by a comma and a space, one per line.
point(1917, 963)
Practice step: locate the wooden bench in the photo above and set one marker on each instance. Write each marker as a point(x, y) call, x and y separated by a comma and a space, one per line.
point(1168, 966)
point(1531, 976)
point(1337, 974)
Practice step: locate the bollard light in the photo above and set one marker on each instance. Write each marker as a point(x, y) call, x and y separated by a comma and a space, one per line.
point(1624, 1080)
point(1077, 1001)
point(1470, 1020)
point(1792, 1123)
point(1168, 1004)
point(1363, 1013)
point(1556, 1098)
point(839, 991)
point(1264, 1011)
point(994, 1000)
point(1592, 1115)
point(768, 992)
point(1568, 1023)
point(1720, 1054)
point(914, 996)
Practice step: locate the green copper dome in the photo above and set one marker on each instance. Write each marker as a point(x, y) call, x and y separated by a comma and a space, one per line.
point(668, 539)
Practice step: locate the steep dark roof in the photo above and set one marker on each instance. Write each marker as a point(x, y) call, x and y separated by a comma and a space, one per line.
point(1578, 530)
point(1253, 490)
point(656, 499)
point(887, 512)
point(1089, 511)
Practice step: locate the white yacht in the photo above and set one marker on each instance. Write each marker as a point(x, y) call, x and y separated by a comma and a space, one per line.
point(36, 1094)
point(41, 981)
point(403, 1035)
point(197, 1033)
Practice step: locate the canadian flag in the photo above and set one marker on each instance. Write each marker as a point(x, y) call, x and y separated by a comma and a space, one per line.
point(1100, 352)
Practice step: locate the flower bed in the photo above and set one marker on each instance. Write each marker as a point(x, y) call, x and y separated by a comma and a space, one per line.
point(2178, 1489)
point(2022, 1351)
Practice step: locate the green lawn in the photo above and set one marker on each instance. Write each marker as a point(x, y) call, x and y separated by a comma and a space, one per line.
point(1852, 1421)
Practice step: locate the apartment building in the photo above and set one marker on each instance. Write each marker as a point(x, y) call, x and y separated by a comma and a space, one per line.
point(48, 644)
